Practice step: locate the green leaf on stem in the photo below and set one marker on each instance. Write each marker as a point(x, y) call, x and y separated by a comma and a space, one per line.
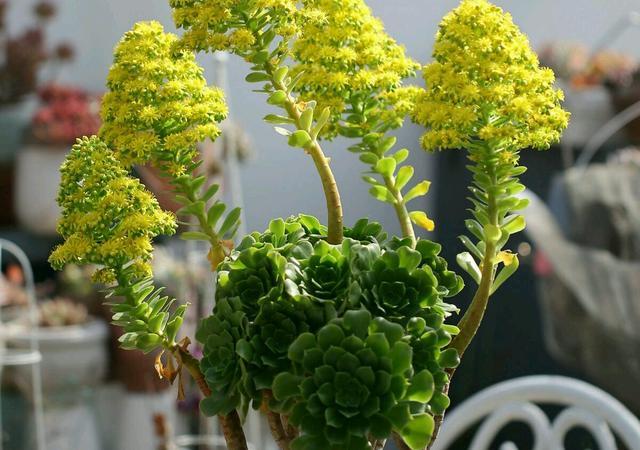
point(405, 174)
point(469, 265)
point(300, 138)
point(381, 193)
point(418, 190)
point(386, 167)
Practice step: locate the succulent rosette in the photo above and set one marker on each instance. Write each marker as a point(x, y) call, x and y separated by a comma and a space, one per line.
point(221, 365)
point(354, 380)
point(277, 326)
point(324, 276)
point(252, 276)
point(392, 283)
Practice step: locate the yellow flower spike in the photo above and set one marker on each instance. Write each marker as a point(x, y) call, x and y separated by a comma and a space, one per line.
point(159, 105)
point(108, 218)
point(212, 25)
point(344, 56)
point(486, 83)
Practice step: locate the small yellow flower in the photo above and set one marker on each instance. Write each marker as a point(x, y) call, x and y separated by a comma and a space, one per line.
point(344, 56)
point(212, 25)
point(108, 218)
point(159, 105)
point(486, 83)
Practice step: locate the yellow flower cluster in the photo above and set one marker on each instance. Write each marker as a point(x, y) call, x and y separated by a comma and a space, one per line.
point(159, 105)
point(486, 83)
point(220, 24)
point(108, 218)
point(344, 55)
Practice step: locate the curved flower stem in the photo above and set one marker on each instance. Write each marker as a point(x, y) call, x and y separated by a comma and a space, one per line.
point(329, 185)
point(406, 226)
point(472, 318)
point(470, 322)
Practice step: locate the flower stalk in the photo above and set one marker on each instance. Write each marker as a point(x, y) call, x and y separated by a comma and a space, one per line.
point(312, 147)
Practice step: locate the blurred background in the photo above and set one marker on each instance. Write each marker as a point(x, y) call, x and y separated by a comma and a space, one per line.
point(572, 309)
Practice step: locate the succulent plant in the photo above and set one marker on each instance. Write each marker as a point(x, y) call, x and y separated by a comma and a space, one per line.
point(339, 335)
point(354, 380)
point(61, 312)
point(221, 365)
point(324, 275)
point(393, 283)
point(253, 276)
point(277, 326)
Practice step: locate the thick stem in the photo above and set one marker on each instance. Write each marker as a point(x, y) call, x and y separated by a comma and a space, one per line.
point(292, 432)
point(329, 185)
point(472, 319)
point(440, 417)
point(230, 424)
point(275, 422)
point(406, 226)
point(470, 322)
point(400, 442)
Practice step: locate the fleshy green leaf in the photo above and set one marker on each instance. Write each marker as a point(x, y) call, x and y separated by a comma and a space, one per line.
point(194, 236)
point(286, 385)
point(405, 174)
point(401, 155)
point(299, 138)
point(381, 193)
point(514, 225)
point(421, 388)
point(418, 190)
point(321, 122)
point(469, 265)
point(306, 119)
point(386, 144)
point(417, 433)
point(210, 192)
point(492, 233)
point(257, 77)
point(386, 167)
point(214, 213)
point(230, 221)
point(277, 98)
point(278, 120)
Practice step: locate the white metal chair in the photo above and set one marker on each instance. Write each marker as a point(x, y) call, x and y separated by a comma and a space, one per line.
point(30, 357)
point(517, 400)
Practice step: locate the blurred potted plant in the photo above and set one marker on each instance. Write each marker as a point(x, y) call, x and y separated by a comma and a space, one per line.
point(625, 93)
point(73, 346)
point(586, 78)
point(65, 113)
point(21, 58)
point(74, 361)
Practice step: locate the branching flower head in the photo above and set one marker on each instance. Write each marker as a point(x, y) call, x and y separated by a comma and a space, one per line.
point(108, 217)
point(214, 24)
point(344, 57)
point(159, 105)
point(486, 84)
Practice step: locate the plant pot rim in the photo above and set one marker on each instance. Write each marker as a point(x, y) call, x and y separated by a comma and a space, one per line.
point(95, 330)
